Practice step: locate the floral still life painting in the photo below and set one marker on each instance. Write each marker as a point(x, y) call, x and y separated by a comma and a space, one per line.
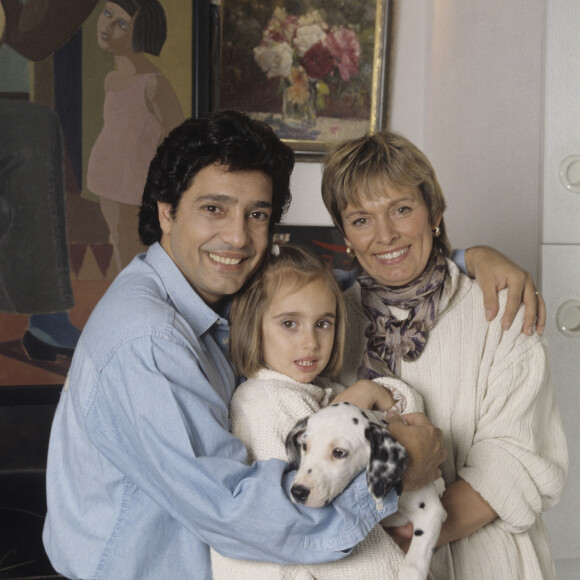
point(314, 70)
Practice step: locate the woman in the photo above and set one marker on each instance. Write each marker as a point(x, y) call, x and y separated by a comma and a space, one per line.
point(415, 316)
point(140, 108)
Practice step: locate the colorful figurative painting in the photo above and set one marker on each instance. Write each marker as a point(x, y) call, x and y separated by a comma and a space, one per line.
point(88, 89)
point(316, 70)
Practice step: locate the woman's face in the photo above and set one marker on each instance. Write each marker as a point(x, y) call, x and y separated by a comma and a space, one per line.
point(390, 233)
point(115, 29)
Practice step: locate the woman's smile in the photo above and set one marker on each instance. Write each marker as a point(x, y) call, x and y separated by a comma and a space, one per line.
point(399, 254)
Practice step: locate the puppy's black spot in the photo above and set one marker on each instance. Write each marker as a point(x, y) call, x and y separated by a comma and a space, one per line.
point(355, 420)
point(385, 422)
point(335, 404)
point(418, 533)
point(365, 415)
point(345, 403)
point(382, 454)
point(422, 505)
point(309, 471)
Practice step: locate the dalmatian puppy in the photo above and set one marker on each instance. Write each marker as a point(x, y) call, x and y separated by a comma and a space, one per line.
point(330, 447)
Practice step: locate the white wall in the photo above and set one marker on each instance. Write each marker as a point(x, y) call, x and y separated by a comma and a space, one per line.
point(483, 121)
point(561, 256)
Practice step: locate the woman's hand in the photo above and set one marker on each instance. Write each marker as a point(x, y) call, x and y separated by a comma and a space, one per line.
point(367, 395)
point(466, 510)
point(424, 444)
point(494, 272)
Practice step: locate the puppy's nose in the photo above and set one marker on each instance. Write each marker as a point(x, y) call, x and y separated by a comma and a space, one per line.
point(300, 493)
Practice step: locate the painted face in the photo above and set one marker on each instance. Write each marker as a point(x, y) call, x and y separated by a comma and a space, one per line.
point(219, 233)
point(298, 331)
point(391, 234)
point(115, 29)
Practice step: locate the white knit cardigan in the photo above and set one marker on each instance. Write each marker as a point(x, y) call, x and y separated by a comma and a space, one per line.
point(488, 390)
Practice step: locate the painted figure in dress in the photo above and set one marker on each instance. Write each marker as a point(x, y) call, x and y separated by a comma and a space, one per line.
point(140, 108)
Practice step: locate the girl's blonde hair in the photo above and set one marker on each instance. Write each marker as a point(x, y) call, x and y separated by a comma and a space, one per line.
point(293, 268)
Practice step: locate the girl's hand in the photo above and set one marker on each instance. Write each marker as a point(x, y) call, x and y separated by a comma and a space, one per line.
point(367, 395)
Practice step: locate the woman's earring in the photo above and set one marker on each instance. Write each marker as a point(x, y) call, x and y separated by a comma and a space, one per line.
point(436, 231)
point(350, 252)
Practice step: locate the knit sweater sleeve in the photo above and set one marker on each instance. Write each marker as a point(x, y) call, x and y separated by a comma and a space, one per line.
point(519, 431)
point(408, 400)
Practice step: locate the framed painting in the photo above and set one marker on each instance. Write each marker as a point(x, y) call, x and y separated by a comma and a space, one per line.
point(317, 71)
point(58, 250)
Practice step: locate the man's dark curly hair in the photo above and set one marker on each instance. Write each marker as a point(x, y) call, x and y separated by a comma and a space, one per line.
point(228, 138)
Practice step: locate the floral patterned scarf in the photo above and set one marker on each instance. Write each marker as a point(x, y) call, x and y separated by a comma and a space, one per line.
point(390, 339)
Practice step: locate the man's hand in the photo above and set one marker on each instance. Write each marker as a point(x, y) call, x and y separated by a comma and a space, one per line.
point(424, 445)
point(367, 395)
point(494, 272)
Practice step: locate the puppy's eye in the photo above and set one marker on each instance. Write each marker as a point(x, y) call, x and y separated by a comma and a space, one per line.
point(339, 453)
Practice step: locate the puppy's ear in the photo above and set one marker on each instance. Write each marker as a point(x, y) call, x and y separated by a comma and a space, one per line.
point(292, 445)
point(387, 462)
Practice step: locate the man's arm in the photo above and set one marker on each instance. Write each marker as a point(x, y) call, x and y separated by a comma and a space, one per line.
point(174, 445)
point(494, 272)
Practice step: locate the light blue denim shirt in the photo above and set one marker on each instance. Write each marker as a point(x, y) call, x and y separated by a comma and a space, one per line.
point(143, 474)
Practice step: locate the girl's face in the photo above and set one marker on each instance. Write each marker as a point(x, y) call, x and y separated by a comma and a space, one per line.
point(115, 29)
point(298, 331)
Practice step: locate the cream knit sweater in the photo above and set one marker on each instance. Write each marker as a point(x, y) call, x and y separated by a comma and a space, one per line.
point(488, 390)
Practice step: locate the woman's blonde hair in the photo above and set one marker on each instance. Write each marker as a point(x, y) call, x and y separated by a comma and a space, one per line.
point(359, 166)
point(293, 268)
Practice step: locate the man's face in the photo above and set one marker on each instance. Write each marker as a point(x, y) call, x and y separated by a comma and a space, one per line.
point(219, 233)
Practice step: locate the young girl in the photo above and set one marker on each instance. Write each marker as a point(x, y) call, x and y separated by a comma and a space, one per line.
point(140, 108)
point(287, 336)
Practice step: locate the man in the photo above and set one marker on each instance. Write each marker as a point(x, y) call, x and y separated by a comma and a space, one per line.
point(143, 474)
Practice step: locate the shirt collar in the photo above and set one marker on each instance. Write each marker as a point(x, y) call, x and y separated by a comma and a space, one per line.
point(185, 299)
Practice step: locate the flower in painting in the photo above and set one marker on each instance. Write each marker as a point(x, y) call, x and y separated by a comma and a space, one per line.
point(281, 27)
point(305, 50)
point(312, 17)
point(307, 36)
point(298, 91)
point(318, 61)
point(345, 48)
point(274, 60)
